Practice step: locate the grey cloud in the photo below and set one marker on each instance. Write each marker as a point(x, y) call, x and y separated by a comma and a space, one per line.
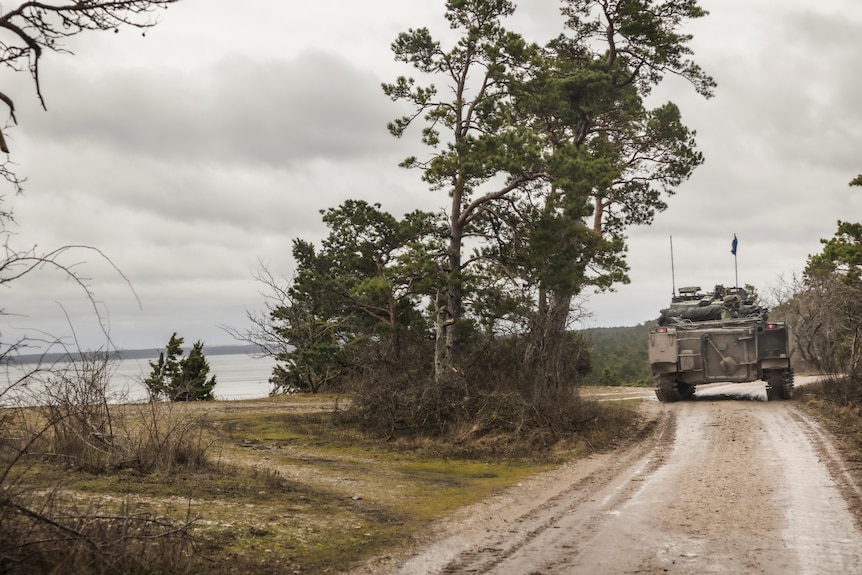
point(187, 157)
point(798, 93)
point(240, 111)
point(76, 186)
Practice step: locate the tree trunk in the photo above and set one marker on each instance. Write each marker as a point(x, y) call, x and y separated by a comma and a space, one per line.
point(544, 354)
point(439, 340)
point(558, 321)
point(455, 296)
point(535, 348)
point(449, 328)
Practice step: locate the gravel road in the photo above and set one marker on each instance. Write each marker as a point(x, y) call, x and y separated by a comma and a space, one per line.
point(725, 484)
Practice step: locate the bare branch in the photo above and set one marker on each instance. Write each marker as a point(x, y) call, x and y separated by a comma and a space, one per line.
point(33, 27)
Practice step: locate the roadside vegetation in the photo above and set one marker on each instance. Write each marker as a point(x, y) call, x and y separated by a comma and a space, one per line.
point(283, 484)
point(836, 402)
point(824, 306)
point(459, 322)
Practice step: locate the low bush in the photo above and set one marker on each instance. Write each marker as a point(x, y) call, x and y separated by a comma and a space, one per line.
point(840, 390)
point(48, 534)
point(69, 422)
point(493, 408)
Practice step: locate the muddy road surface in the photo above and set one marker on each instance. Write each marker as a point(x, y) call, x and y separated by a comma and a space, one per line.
point(725, 484)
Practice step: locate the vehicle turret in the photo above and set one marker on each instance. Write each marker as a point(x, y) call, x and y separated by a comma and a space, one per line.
point(722, 303)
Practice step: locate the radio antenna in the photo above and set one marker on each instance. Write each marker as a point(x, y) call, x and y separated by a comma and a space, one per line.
point(672, 273)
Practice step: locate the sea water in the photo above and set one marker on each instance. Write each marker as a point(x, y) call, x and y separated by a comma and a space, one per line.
point(238, 376)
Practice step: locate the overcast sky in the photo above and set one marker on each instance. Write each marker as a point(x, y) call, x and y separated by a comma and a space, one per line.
point(192, 153)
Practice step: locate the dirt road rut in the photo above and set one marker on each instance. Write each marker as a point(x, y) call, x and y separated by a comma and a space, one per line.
point(714, 486)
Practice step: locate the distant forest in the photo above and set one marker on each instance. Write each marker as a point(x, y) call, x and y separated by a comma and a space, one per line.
point(619, 355)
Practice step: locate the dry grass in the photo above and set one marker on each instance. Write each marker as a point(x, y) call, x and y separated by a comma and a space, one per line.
point(837, 402)
point(285, 484)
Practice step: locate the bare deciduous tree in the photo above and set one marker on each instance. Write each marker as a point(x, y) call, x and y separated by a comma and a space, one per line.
point(27, 31)
point(74, 402)
point(264, 330)
point(31, 28)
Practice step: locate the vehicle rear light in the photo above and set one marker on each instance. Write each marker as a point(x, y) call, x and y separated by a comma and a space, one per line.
point(771, 326)
point(661, 330)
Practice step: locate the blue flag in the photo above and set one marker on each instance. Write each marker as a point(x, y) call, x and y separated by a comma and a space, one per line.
point(733, 245)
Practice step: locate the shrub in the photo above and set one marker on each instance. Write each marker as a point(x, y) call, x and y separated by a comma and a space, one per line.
point(492, 407)
point(78, 426)
point(177, 379)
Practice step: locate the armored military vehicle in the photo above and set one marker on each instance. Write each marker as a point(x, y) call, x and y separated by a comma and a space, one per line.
point(723, 336)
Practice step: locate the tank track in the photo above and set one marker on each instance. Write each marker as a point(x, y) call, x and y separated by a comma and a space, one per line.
point(668, 390)
point(779, 385)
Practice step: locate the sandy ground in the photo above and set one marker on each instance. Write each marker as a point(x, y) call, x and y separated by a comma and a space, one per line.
point(725, 484)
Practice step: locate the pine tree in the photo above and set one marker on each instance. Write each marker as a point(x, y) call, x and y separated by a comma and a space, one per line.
point(191, 383)
point(178, 379)
point(165, 370)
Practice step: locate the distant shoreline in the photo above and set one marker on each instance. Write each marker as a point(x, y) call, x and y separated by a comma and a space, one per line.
point(30, 358)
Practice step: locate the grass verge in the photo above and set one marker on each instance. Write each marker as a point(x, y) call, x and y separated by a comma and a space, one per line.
point(840, 411)
point(290, 488)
